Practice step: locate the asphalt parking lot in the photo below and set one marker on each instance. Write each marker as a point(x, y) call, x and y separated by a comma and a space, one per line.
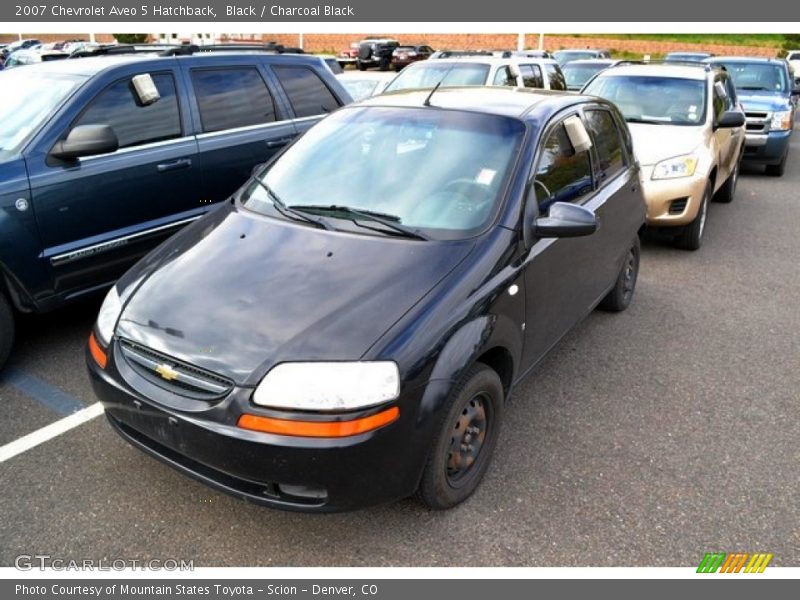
point(646, 438)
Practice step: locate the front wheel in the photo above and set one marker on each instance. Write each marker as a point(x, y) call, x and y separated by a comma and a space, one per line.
point(779, 169)
point(465, 440)
point(6, 329)
point(620, 296)
point(691, 238)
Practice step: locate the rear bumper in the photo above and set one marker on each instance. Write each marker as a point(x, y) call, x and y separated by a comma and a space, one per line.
point(293, 473)
point(767, 148)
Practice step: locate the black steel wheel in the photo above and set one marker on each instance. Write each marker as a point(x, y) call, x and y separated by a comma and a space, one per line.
point(620, 296)
point(465, 439)
point(6, 329)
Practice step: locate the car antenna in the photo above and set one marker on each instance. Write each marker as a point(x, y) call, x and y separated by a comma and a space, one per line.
point(428, 99)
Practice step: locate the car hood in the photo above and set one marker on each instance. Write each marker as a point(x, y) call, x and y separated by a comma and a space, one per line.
point(237, 293)
point(654, 143)
point(763, 101)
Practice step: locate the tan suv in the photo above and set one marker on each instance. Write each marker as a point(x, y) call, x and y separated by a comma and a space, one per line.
point(688, 135)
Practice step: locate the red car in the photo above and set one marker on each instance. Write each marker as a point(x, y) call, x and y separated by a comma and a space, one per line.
point(405, 55)
point(348, 56)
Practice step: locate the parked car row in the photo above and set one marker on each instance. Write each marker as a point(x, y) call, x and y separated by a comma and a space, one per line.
point(326, 313)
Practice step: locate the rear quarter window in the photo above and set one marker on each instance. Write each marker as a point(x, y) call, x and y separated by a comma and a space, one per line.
point(308, 94)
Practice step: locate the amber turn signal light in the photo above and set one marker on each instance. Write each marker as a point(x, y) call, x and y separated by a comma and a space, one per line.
point(329, 429)
point(96, 351)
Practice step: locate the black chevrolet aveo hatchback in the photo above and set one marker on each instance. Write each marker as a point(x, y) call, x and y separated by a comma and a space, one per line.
point(347, 328)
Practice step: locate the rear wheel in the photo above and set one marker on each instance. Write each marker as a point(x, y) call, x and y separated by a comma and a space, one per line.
point(6, 330)
point(726, 193)
point(779, 169)
point(620, 296)
point(465, 440)
point(691, 238)
point(361, 66)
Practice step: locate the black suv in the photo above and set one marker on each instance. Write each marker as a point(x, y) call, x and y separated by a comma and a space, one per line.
point(102, 158)
point(376, 53)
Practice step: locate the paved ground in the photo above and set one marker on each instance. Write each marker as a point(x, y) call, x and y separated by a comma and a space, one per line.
point(647, 438)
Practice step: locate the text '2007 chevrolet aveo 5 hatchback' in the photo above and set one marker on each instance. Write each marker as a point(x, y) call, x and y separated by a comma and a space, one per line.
point(336, 337)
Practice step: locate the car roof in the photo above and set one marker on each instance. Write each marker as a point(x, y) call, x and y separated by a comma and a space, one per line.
point(581, 50)
point(591, 61)
point(503, 101)
point(681, 71)
point(487, 59)
point(743, 59)
point(92, 65)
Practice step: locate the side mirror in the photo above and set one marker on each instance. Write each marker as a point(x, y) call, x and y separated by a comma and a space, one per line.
point(86, 140)
point(731, 118)
point(566, 220)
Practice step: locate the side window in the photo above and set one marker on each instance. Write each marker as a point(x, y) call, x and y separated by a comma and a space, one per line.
point(556, 77)
point(731, 100)
point(607, 142)
point(719, 99)
point(232, 97)
point(503, 76)
point(135, 124)
point(531, 76)
point(562, 175)
point(307, 93)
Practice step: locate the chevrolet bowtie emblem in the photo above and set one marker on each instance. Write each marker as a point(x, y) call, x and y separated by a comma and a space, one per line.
point(166, 372)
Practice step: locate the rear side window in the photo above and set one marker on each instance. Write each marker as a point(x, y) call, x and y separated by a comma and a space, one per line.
point(562, 175)
point(531, 76)
point(607, 142)
point(307, 93)
point(556, 77)
point(134, 124)
point(504, 77)
point(233, 97)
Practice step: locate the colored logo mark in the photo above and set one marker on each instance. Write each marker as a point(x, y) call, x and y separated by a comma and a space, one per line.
point(743, 562)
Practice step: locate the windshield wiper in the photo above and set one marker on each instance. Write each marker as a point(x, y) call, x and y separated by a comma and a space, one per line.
point(389, 221)
point(648, 121)
point(289, 212)
point(754, 88)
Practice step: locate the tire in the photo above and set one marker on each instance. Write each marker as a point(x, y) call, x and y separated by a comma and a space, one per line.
point(620, 296)
point(691, 238)
point(475, 409)
point(779, 169)
point(726, 193)
point(361, 66)
point(6, 330)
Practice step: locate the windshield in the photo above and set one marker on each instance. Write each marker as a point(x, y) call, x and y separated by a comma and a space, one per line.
point(427, 74)
point(758, 77)
point(686, 57)
point(565, 56)
point(578, 75)
point(439, 171)
point(36, 96)
point(659, 100)
point(359, 88)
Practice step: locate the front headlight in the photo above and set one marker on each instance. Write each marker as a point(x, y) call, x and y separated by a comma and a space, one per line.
point(781, 121)
point(107, 318)
point(328, 385)
point(672, 168)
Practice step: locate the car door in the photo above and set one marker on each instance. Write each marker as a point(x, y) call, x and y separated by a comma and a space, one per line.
point(96, 215)
point(729, 139)
point(307, 94)
point(240, 121)
point(559, 284)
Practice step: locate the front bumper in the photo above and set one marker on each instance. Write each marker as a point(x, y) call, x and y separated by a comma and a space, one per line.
point(294, 473)
point(673, 202)
point(767, 148)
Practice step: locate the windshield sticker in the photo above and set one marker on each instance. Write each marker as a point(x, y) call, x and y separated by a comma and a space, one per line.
point(486, 176)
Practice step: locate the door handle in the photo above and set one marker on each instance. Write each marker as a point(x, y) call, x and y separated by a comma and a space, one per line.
point(181, 163)
point(279, 142)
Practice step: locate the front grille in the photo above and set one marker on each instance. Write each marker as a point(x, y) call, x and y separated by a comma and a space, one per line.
point(757, 122)
point(176, 376)
point(676, 207)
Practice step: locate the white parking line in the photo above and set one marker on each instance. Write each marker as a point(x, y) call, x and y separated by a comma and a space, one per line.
point(44, 434)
